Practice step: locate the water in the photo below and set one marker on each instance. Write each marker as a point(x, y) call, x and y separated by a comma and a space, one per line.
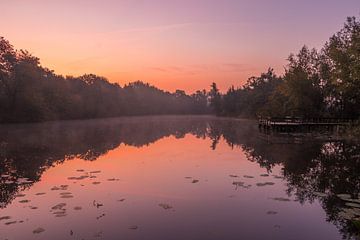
point(173, 178)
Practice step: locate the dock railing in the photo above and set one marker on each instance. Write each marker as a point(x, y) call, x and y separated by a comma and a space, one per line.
point(268, 122)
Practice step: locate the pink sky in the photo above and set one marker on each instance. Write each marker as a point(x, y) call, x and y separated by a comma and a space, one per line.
point(172, 44)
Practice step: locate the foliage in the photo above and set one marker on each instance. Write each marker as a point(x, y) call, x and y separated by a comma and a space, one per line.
point(32, 93)
point(215, 99)
point(322, 83)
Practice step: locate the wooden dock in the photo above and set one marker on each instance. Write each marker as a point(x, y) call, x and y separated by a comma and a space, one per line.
point(289, 124)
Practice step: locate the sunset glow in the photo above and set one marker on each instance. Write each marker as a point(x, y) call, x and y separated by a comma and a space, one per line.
point(171, 44)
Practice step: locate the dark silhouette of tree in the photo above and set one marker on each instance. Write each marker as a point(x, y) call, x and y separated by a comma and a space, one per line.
point(322, 83)
point(215, 99)
point(32, 93)
point(301, 86)
point(343, 54)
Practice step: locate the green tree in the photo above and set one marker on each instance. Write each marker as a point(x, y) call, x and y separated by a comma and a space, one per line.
point(343, 51)
point(301, 87)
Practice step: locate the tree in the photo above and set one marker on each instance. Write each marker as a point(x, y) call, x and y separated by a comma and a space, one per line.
point(31, 93)
point(301, 88)
point(343, 52)
point(215, 99)
point(259, 90)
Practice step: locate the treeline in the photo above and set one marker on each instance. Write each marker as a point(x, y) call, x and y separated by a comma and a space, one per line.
point(32, 93)
point(323, 83)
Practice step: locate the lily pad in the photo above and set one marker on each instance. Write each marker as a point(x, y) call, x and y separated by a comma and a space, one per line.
point(61, 215)
point(59, 206)
point(20, 195)
point(241, 184)
point(271, 212)
point(320, 194)
point(5, 218)
point(10, 223)
point(63, 211)
point(281, 199)
point(247, 176)
point(165, 206)
point(97, 205)
point(102, 215)
point(278, 177)
point(78, 178)
point(344, 196)
point(353, 200)
point(38, 230)
point(67, 196)
point(350, 204)
point(265, 184)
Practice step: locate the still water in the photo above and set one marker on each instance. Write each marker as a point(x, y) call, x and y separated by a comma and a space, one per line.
point(178, 177)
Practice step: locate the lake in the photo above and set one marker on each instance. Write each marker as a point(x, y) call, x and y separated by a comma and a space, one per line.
point(174, 177)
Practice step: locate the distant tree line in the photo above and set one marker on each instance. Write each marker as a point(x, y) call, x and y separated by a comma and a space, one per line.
point(323, 83)
point(32, 93)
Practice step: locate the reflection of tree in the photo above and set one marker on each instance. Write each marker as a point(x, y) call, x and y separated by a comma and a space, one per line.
point(335, 170)
point(313, 170)
point(26, 151)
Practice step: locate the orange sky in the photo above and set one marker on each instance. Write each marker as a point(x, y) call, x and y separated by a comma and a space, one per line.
point(171, 44)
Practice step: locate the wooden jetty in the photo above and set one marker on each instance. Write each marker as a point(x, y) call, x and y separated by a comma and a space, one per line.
point(291, 124)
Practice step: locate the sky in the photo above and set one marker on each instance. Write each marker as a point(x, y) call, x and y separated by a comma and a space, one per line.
point(172, 44)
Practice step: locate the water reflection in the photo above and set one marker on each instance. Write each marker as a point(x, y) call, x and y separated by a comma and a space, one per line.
point(312, 169)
